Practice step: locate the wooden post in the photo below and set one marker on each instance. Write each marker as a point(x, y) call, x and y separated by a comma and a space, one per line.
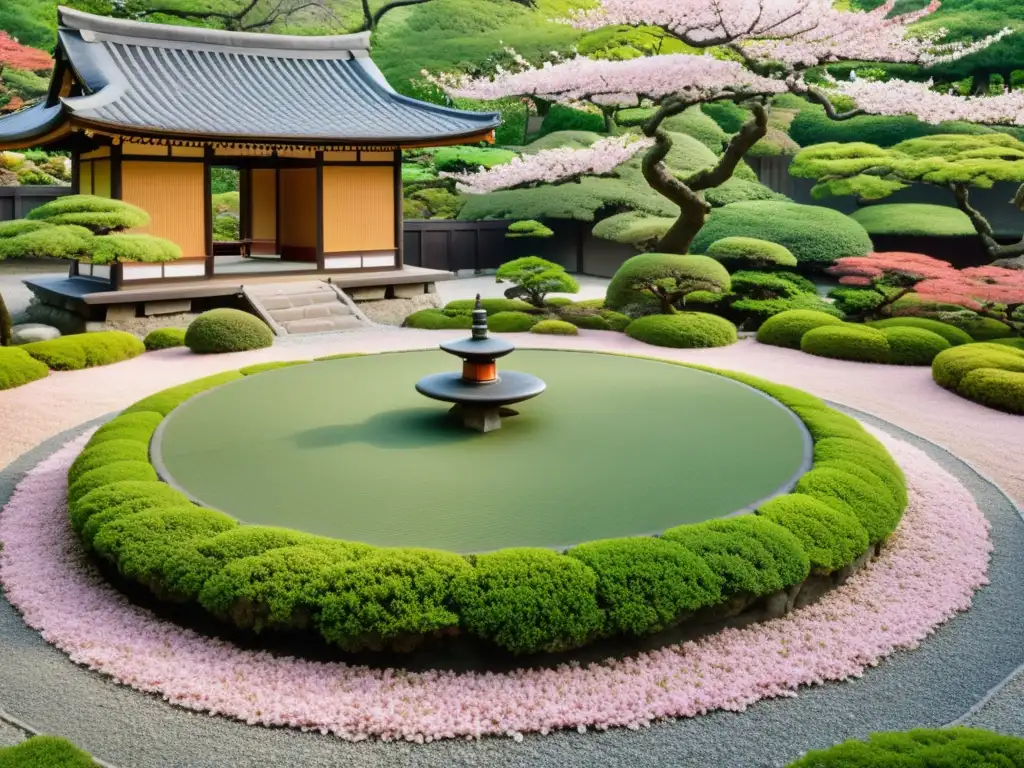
point(115, 171)
point(320, 263)
point(75, 154)
point(399, 213)
point(208, 198)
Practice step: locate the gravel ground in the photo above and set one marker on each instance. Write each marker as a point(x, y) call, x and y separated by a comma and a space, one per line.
point(928, 687)
point(9, 735)
point(15, 294)
point(468, 287)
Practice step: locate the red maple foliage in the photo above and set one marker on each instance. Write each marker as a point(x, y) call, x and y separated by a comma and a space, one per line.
point(17, 56)
point(14, 104)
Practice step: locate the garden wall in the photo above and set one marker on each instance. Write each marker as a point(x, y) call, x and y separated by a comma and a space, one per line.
point(16, 202)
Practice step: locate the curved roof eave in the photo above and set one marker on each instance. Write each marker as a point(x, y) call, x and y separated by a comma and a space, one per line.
point(28, 126)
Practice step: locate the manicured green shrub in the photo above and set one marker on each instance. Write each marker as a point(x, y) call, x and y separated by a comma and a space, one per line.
point(66, 242)
point(750, 253)
point(119, 471)
point(753, 555)
point(98, 214)
point(108, 452)
point(562, 118)
point(126, 497)
point(227, 330)
point(166, 401)
point(856, 301)
point(17, 367)
point(649, 281)
point(111, 249)
point(921, 748)
point(754, 312)
point(950, 333)
point(813, 126)
point(491, 306)
point(816, 236)
point(832, 538)
point(436, 319)
point(913, 346)
point(164, 338)
point(251, 370)
point(787, 329)
point(17, 227)
point(847, 342)
point(913, 219)
point(555, 328)
point(390, 597)
point(984, 328)
point(729, 115)
point(1016, 342)
point(511, 322)
point(459, 159)
point(995, 388)
point(533, 278)
point(837, 452)
point(44, 752)
point(646, 584)
point(528, 228)
point(85, 350)
point(530, 600)
point(951, 366)
point(558, 302)
point(138, 426)
point(870, 503)
point(685, 330)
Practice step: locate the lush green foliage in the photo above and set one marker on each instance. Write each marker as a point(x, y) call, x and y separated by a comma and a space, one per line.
point(528, 228)
point(913, 346)
point(847, 342)
point(252, 370)
point(856, 301)
point(17, 367)
point(109, 249)
point(17, 227)
point(595, 319)
point(728, 114)
point(514, 116)
point(650, 280)
point(634, 228)
point(563, 118)
point(490, 306)
point(812, 126)
point(437, 319)
point(938, 748)
point(511, 322)
point(913, 219)
point(787, 329)
point(523, 600)
point(44, 751)
point(456, 159)
point(534, 278)
point(750, 253)
point(100, 215)
point(164, 338)
point(227, 330)
point(50, 242)
point(85, 350)
point(692, 121)
point(757, 296)
point(990, 374)
point(555, 328)
point(685, 330)
point(815, 236)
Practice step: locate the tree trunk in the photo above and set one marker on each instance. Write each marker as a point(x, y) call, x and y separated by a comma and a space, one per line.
point(996, 251)
point(693, 208)
point(5, 324)
point(981, 83)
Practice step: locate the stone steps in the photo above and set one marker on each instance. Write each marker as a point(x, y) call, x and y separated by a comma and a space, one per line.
point(311, 306)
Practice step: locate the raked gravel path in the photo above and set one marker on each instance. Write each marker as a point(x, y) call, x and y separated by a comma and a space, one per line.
point(991, 441)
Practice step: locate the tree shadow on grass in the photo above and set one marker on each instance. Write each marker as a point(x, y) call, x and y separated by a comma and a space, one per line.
point(398, 429)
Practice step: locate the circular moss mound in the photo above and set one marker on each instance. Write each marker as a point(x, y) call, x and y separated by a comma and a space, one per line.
point(511, 322)
point(687, 330)
point(165, 338)
point(950, 333)
point(750, 253)
point(17, 367)
point(349, 449)
point(989, 374)
point(847, 342)
point(702, 272)
point(919, 219)
point(913, 346)
point(227, 330)
point(787, 329)
point(816, 236)
point(439, 319)
point(555, 328)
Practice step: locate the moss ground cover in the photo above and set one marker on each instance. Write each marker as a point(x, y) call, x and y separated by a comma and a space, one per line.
point(157, 538)
point(987, 373)
point(85, 350)
point(921, 748)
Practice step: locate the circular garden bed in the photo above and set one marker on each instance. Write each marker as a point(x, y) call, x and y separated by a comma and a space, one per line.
point(523, 600)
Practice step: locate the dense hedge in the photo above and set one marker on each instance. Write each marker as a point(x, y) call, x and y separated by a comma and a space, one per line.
point(787, 329)
point(117, 248)
point(685, 330)
point(913, 219)
point(816, 236)
point(44, 752)
point(989, 374)
point(227, 330)
point(913, 346)
point(921, 748)
point(85, 350)
point(950, 333)
point(812, 126)
point(17, 367)
point(164, 338)
point(750, 253)
point(555, 328)
point(490, 306)
point(438, 319)
point(847, 342)
point(523, 600)
point(511, 322)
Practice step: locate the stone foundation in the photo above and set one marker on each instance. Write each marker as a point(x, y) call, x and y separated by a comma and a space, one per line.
point(394, 311)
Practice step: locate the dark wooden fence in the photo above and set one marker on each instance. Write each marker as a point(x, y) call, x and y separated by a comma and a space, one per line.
point(16, 202)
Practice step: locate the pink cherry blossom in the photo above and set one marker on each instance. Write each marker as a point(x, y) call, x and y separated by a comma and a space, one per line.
point(928, 572)
point(552, 165)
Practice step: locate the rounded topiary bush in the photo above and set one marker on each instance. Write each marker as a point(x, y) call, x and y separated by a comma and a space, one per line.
point(490, 306)
point(816, 236)
point(685, 330)
point(164, 338)
point(950, 333)
point(787, 329)
point(922, 748)
point(438, 319)
point(913, 346)
point(85, 350)
point(750, 253)
point(699, 272)
point(920, 219)
point(847, 342)
point(989, 374)
point(17, 367)
point(511, 322)
point(555, 328)
point(110, 249)
point(227, 330)
point(98, 214)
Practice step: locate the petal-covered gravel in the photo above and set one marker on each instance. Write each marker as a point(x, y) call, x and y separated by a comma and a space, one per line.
point(929, 571)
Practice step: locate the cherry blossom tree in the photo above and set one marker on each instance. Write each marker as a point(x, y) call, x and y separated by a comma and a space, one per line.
point(763, 47)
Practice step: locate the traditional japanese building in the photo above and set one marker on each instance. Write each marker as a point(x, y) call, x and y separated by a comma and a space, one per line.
point(147, 112)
